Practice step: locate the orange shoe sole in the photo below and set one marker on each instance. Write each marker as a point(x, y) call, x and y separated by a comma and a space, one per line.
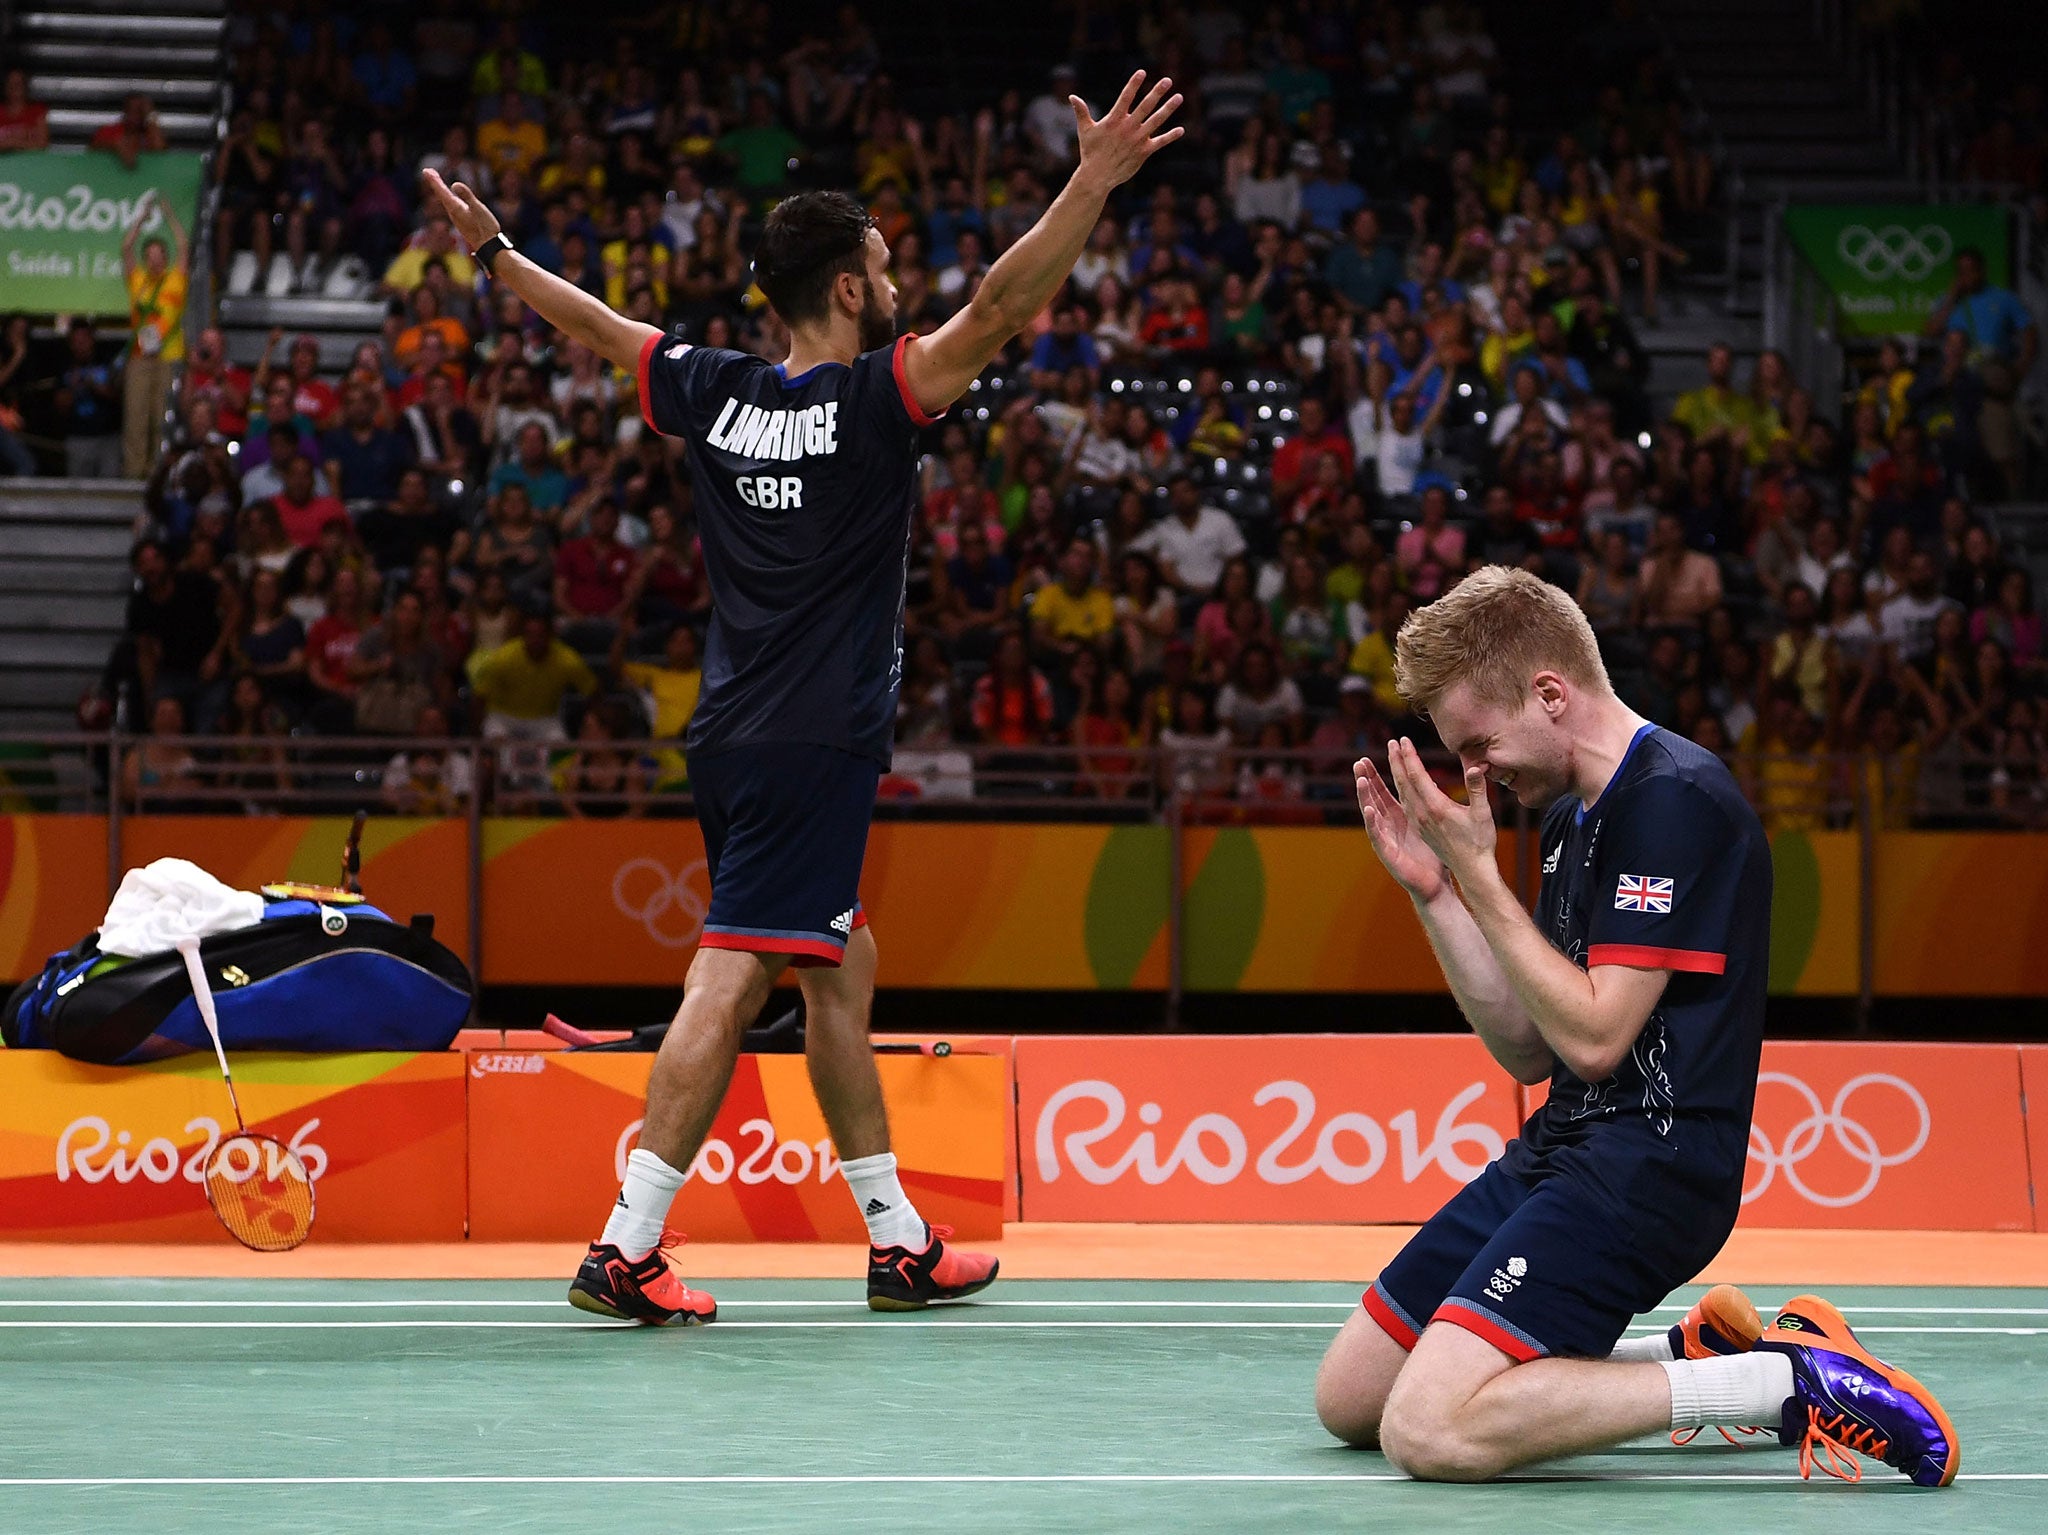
point(1732, 1314)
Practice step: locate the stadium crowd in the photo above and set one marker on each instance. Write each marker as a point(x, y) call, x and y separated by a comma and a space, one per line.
point(1370, 328)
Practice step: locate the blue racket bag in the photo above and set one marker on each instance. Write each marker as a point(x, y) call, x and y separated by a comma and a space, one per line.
point(308, 977)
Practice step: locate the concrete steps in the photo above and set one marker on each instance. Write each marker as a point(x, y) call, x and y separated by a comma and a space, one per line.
point(64, 586)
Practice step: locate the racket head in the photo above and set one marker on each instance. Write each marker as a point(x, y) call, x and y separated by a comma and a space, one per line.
point(260, 1191)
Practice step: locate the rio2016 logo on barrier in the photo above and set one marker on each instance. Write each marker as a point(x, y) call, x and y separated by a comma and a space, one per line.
point(767, 1158)
point(1894, 251)
point(158, 1159)
point(1350, 1147)
point(1853, 1139)
point(668, 906)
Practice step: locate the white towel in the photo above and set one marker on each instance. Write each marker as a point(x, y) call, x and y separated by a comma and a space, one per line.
point(170, 900)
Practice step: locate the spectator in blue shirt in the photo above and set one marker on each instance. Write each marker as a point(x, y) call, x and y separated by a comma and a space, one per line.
point(1065, 346)
point(89, 405)
point(1331, 197)
point(1429, 274)
point(1163, 234)
point(955, 213)
point(364, 460)
point(534, 468)
point(384, 76)
point(1298, 84)
point(1415, 368)
point(1997, 324)
point(1564, 377)
point(1362, 270)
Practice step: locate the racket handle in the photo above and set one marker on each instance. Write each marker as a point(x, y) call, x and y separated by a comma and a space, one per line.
point(567, 1033)
point(352, 856)
point(202, 995)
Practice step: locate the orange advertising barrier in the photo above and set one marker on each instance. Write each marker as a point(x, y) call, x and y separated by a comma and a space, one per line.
point(1270, 1128)
point(549, 1133)
point(1929, 1137)
point(2034, 1084)
point(114, 1154)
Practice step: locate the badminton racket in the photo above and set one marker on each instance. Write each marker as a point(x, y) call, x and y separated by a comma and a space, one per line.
point(259, 1189)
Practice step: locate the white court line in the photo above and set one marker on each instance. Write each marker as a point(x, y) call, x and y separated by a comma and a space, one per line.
point(556, 1301)
point(876, 1479)
point(321, 1325)
point(963, 1311)
point(461, 1303)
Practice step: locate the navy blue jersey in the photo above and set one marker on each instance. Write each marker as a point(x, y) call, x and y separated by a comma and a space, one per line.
point(1669, 869)
point(804, 489)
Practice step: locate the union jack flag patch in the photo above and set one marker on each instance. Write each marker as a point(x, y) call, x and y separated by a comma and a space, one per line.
point(1639, 892)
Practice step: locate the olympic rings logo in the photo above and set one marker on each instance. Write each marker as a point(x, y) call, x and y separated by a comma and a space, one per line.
point(669, 906)
point(1853, 1137)
point(1894, 251)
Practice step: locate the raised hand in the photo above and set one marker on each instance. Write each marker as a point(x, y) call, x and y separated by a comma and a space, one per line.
point(1462, 836)
point(473, 222)
point(1415, 868)
point(1130, 132)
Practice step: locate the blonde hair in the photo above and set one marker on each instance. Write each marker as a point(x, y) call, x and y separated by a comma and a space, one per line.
point(1494, 631)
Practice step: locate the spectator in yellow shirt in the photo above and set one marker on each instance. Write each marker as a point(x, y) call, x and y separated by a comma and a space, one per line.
point(1373, 657)
point(508, 67)
point(1715, 409)
point(512, 140)
point(579, 165)
point(156, 316)
point(520, 688)
point(1791, 784)
point(1073, 612)
point(435, 242)
point(671, 688)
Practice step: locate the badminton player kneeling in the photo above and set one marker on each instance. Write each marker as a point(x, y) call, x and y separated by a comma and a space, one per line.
point(1637, 993)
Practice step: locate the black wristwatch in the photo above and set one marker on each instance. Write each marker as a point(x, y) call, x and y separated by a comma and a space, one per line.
point(487, 253)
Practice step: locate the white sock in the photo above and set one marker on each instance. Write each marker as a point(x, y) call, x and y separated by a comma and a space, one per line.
point(636, 1220)
point(1740, 1390)
point(892, 1219)
point(1655, 1349)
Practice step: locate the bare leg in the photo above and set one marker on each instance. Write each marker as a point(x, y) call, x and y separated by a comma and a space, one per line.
point(723, 993)
point(1463, 1411)
point(836, 1048)
point(1355, 1379)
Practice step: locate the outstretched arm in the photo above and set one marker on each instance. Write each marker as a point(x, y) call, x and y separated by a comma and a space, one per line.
point(939, 367)
point(135, 231)
point(177, 232)
point(563, 305)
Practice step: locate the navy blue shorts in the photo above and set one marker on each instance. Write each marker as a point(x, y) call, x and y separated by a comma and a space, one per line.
point(785, 832)
point(1554, 1260)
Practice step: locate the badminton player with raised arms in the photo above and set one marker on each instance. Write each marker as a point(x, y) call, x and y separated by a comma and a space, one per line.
point(804, 477)
point(1637, 993)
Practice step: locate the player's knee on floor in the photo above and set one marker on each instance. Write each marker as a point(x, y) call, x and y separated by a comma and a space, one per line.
point(1352, 1383)
point(1425, 1443)
point(1424, 1428)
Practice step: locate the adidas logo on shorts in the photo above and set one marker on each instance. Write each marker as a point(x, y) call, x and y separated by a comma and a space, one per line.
point(843, 924)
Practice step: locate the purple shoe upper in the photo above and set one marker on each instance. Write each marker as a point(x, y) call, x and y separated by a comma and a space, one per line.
point(1840, 1385)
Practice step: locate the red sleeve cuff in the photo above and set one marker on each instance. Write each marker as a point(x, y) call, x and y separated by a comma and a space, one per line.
point(646, 402)
point(1638, 957)
point(916, 411)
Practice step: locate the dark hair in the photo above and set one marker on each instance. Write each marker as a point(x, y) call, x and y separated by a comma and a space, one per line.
point(808, 240)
